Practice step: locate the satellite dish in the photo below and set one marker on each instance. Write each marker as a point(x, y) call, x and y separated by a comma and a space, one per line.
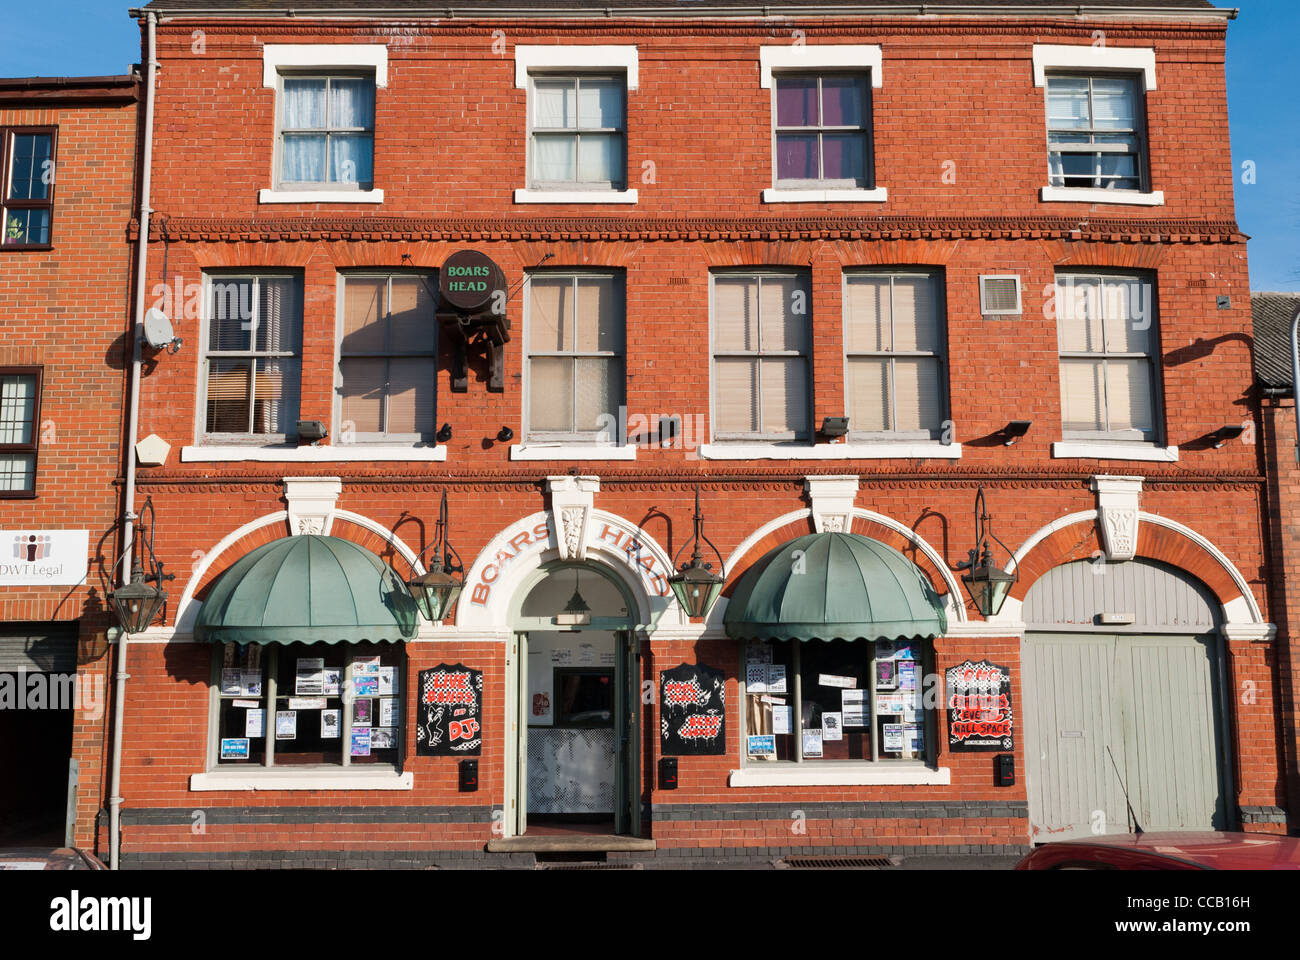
point(158, 331)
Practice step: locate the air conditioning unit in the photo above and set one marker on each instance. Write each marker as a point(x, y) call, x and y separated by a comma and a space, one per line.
point(1000, 296)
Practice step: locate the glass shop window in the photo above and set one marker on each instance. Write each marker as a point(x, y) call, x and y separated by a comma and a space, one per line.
point(289, 704)
point(840, 700)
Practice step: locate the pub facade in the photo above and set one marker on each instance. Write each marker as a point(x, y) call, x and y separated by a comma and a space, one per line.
point(644, 433)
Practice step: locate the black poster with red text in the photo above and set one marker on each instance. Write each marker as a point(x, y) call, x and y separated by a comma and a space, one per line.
point(449, 712)
point(979, 707)
point(692, 715)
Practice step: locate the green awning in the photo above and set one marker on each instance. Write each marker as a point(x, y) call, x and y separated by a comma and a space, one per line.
point(829, 586)
point(308, 589)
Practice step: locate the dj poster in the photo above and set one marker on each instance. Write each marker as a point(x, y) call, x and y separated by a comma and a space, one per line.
point(979, 707)
point(449, 712)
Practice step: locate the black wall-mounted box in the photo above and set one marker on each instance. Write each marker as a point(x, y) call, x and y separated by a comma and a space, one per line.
point(667, 773)
point(468, 776)
point(1004, 770)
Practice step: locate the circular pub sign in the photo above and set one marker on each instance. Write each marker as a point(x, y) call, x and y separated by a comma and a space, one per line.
point(469, 281)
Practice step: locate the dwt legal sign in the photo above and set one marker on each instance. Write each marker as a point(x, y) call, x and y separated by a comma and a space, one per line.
point(43, 558)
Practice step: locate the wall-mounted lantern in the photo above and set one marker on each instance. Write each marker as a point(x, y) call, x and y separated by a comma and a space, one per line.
point(987, 583)
point(137, 605)
point(436, 592)
point(695, 585)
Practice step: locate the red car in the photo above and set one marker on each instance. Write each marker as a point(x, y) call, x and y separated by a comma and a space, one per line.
point(1168, 851)
point(48, 858)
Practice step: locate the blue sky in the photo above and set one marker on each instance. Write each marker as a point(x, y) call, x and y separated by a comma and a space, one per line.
point(91, 37)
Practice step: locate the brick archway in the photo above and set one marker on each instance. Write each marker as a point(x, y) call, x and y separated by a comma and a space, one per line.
point(1076, 538)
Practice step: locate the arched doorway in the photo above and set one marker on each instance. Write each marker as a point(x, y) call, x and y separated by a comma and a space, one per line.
point(578, 689)
point(1124, 702)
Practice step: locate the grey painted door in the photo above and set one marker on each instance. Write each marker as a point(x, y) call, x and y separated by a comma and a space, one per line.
point(1105, 713)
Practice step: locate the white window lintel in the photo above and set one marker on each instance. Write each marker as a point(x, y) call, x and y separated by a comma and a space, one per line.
point(367, 56)
point(1052, 56)
point(575, 196)
point(540, 450)
point(884, 450)
point(1101, 195)
point(575, 57)
point(828, 56)
point(788, 195)
point(320, 196)
point(343, 453)
point(1109, 450)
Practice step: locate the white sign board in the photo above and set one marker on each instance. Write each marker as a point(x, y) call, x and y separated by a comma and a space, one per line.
point(43, 558)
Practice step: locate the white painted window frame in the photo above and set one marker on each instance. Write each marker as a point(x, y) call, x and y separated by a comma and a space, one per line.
point(1059, 57)
point(554, 58)
point(788, 58)
point(280, 57)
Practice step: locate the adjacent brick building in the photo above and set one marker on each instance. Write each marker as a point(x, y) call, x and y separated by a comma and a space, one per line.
point(718, 232)
point(68, 147)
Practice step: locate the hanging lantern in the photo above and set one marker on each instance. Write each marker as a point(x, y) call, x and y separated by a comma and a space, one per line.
point(437, 590)
point(138, 604)
point(987, 583)
point(695, 585)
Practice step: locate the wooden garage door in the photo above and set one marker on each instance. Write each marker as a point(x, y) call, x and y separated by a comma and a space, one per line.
point(1104, 712)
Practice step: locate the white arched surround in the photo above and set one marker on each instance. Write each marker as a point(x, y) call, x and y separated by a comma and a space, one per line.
point(502, 568)
point(187, 609)
point(953, 607)
point(1242, 619)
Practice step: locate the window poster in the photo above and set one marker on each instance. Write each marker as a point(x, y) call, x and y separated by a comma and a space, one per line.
point(776, 678)
point(307, 703)
point(309, 677)
point(365, 686)
point(692, 714)
point(360, 741)
point(286, 724)
point(762, 746)
point(232, 681)
point(586, 653)
point(250, 704)
point(330, 722)
point(365, 666)
point(388, 712)
point(252, 683)
point(832, 726)
point(812, 743)
point(886, 675)
point(854, 708)
point(388, 681)
point(449, 711)
point(382, 738)
point(914, 735)
point(979, 707)
point(830, 680)
point(234, 748)
point(781, 719)
point(361, 713)
point(333, 678)
point(255, 723)
point(758, 653)
point(893, 738)
point(756, 678)
point(907, 674)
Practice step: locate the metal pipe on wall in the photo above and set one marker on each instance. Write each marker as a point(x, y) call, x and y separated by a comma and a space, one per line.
point(133, 427)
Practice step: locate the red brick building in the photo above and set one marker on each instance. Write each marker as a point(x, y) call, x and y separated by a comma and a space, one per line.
point(68, 155)
point(569, 265)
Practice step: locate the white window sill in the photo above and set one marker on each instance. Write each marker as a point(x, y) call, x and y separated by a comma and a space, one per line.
point(344, 453)
point(575, 196)
point(1102, 450)
point(320, 196)
point(839, 775)
point(831, 451)
point(272, 778)
point(1097, 195)
point(560, 451)
point(777, 195)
